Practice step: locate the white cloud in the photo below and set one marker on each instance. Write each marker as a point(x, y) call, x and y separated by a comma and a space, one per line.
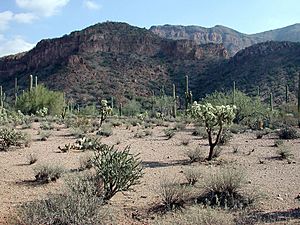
point(91, 5)
point(24, 17)
point(43, 7)
point(13, 46)
point(5, 18)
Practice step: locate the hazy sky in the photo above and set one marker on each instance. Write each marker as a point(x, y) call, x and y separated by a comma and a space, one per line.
point(25, 22)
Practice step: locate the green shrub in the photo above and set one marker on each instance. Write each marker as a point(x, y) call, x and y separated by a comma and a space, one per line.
point(195, 154)
point(284, 152)
point(40, 97)
point(105, 131)
point(132, 108)
point(32, 158)
point(117, 170)
point(278, 143)
point(223, 189)
point(169, 133)
point(225, 137)
point(46, 126)
point(288, 133)
point(44, 135)
point(172, 194)
point(192, 175)
point(77, 205)
point(10, 137)
point(86, 162)
point(201, 132)
point(48, 173)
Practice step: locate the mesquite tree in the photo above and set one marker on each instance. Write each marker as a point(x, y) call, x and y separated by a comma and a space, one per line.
point(214, 119)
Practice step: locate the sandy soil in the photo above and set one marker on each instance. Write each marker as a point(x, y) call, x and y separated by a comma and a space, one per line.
point(277, 180)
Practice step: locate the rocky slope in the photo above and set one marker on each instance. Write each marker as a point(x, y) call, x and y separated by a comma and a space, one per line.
point(109, 59)
point(233, 40)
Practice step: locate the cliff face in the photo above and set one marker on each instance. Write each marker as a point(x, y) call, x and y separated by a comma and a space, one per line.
point(115, 57)
point(232, 40)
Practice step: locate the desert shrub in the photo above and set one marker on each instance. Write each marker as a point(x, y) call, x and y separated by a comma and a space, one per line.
point(169, 133)
point(48, 173)
point(223, 189)
point(278, 143)
point(225, 137)
point(32, 158)
point(288, 133)
point(201, 132)
point(44, 135)
point(77, 132)
point(105, 131)
point(46, 126)
point(237, 128)
point(116, 123)
point(10, 137)
point(86, 162)
point(197, 215)
point(78, 204)
point(284, 152)
point(117, 170)
point(87, 143)
point(139, 134)
point(179, 126)
point(148, 132)
point(132, 108)
point(171, 193)
point(40, 97)
point(195, 154)
point(185, 142)
point(217, 152)
point(192, 175)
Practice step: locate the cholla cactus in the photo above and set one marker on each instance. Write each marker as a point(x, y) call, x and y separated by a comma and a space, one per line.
point(105, 110)
point(42, 112)
point(214, 117)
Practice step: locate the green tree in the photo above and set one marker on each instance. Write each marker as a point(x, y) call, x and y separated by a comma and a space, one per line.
point(40, 97)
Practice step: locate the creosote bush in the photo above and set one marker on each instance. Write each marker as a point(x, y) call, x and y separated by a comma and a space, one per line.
point(78, 204)
point(12, 138)
point(224, 189)
point(288, 133)
point(116, 170)
point(48, 173)
point(195, 154)
point(192, 175)
point(284, 152)
point(169, 133)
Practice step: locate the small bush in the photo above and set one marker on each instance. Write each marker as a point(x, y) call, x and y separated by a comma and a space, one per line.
point(185, 142)
point(195, 155)
point(201, 132)
point(46, 126)
point(139, 134)
point(77, 205)
point(217, 152)
point(86, 162)
point(179, 126)
point(278, 143)
point(284, 152)
point(225, 138)
point(223, 189)
point(172, 194)
point(48, 173)
point(10, 137)
point(105, 131)
point(192, 175)
point(44, 135)
point(288, 133)
point(169, 133)
point(32, 158)
point(117, 170)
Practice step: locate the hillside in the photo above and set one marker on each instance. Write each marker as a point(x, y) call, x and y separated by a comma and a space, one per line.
point(109, 59)
point(233, 41)
point(269, 66)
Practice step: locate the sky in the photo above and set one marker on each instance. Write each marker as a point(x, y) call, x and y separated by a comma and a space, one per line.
point(23, 23)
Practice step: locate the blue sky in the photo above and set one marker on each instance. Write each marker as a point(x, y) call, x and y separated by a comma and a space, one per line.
point(25, 22)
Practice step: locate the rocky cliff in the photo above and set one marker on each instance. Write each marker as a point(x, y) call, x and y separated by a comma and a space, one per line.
point(108, 59)
point(233, 41)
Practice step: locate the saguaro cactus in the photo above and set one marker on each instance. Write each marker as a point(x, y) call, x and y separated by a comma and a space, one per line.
point(30, 82)
point(174, 101)
point(233, 93)
point(299, 99)
point(286, 93)
point(1, 97)
point(35, 81)
point(120, 109)
point(188, 94)
point(271, 101)
point(16, 90)
point(112, 102)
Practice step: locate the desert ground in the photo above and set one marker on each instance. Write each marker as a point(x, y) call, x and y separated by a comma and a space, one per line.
point(275, 181)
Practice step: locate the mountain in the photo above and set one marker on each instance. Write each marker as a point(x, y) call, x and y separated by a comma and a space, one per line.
point(233, 41)
point(269, 66)
point(109, 59)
